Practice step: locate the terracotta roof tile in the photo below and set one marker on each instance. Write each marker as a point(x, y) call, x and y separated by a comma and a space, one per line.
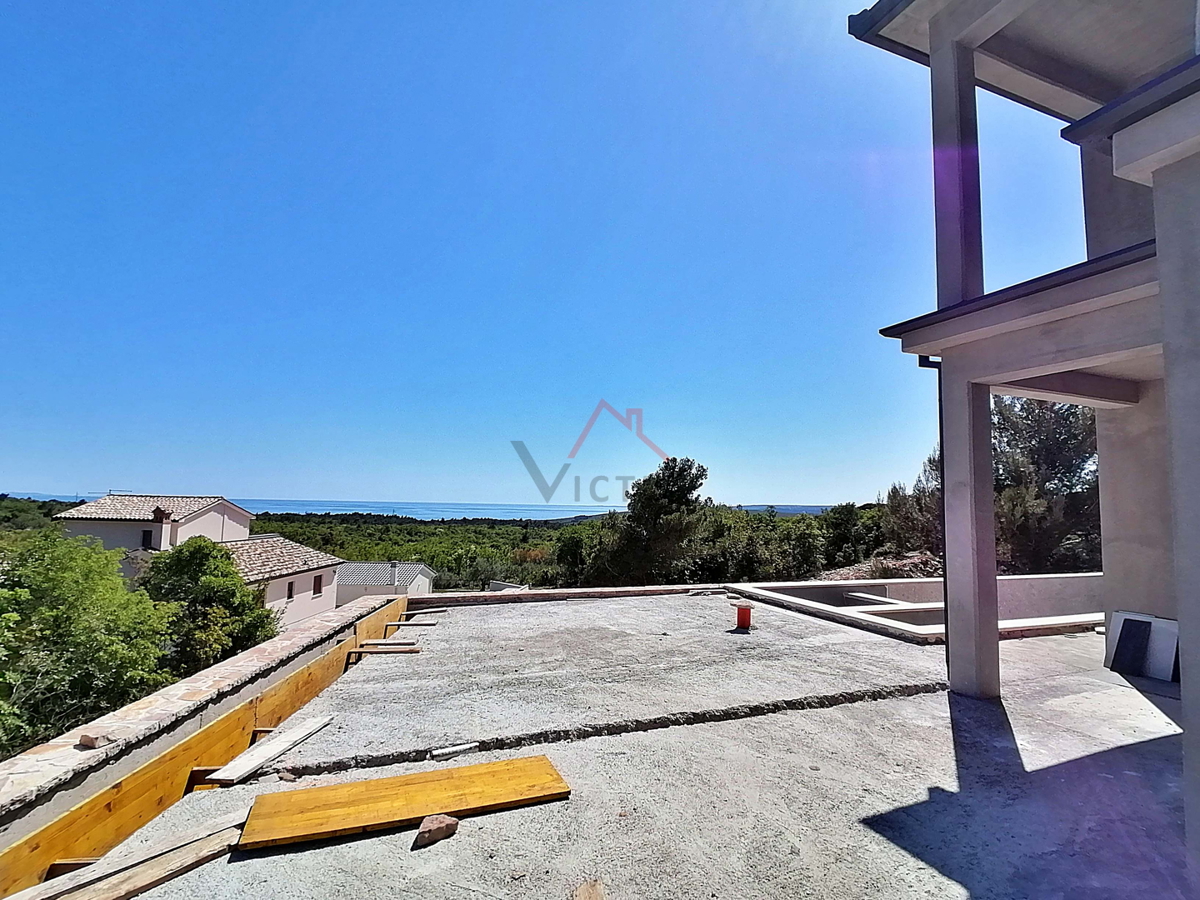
point(270, 556)
point(138, 507)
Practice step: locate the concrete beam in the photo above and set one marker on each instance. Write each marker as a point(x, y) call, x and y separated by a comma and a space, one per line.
point(1168, 136)
point(958, 220)
point(1081, 388)
point(1115, 334)
point(971, 22)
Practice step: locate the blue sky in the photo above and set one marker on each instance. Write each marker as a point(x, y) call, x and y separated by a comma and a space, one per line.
point(303, 250)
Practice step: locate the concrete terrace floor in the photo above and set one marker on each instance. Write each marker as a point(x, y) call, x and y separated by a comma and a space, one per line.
point(1070, 789)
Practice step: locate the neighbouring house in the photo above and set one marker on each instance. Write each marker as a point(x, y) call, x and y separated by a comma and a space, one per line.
point(156, 522)
point(1119, 332)
point(297, 581)
point(356, 579)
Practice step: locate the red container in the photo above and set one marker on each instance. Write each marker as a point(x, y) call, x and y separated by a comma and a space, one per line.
point(743, 616)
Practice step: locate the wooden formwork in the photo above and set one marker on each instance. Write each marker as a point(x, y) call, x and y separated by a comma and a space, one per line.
point(97, 824)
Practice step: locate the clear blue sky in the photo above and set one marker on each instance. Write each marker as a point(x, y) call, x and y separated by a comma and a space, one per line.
point(303, 250)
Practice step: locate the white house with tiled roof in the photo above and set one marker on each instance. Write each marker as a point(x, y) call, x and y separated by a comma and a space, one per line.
point(297, 581)
point(155, 521)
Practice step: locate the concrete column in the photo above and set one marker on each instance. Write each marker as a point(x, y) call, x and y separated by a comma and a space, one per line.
point(1177, 215)
point(972, 620)
point(1135, 506)
point(957, 208)
point(1117, 213)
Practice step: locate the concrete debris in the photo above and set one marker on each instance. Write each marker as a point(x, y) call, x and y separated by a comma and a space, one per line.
point(456, 750)
point(94, 741)
point(434, 829)
point(592, 889)
point(286, 776)
point(269, 779)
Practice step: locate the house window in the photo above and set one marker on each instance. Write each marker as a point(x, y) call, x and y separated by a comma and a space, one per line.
point(291, 590)
point(147, 539)
point(317, 585)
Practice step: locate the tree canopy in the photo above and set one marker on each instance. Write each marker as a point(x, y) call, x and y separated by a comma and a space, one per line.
point(215, 614)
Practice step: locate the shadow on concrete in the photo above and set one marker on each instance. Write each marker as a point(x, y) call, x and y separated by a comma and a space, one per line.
point(1108, 826)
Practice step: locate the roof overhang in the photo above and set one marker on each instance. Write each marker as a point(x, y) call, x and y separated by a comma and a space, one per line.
point(1117, 278)
point(1066, 58)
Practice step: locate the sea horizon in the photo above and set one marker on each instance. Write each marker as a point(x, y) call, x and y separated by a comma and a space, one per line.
point(434, 511)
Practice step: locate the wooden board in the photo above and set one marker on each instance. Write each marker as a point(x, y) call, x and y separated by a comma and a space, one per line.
point(96, 825)
point(140, 878)
point(372, 626)
point(250, 761)
point(389, 642)
point(283, 698)
point(113, 863)
point(324, 812)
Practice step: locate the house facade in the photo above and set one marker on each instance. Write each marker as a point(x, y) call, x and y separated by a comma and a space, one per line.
point(1119, 332)
point(358, 579)
point(156, 522)
point(297, 581)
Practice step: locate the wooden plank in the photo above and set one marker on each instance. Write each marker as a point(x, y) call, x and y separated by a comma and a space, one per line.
point(67, 866)
point(371, 626)
point(337, 809)
point(593, 889)
point(389, 642)
point(141, 878)
point(97, 824)
point(247, 763)
point(113, 863)
point(282, 699)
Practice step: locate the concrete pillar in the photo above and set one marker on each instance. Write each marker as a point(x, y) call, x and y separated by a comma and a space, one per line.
point(957, 208)
point(1117, 213)
point(972, 620)
point(1135, 506)
point(1177, 215)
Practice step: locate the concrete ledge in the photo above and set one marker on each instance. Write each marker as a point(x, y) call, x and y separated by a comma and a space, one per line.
point(480, 598)
point(46, 780)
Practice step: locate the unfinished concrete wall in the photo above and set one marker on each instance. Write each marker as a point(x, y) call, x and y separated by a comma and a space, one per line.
point(1135, 506)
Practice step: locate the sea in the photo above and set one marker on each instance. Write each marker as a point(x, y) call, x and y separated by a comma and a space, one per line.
point(430, 511)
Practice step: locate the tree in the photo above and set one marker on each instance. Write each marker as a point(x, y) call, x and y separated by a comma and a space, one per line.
point(1047, 486)
point(75, 642)
point(214, 614)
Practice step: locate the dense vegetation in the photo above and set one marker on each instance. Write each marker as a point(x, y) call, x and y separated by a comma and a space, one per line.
point(78, 640)
point(1047, 520)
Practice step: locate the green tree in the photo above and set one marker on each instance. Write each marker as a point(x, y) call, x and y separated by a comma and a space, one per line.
point(75, 642)
point(215, 614)
point(1047, 491)
point(1047, 486)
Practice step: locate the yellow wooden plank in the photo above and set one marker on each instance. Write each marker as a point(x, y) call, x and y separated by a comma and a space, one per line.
point(103, 820)
point(337, 809)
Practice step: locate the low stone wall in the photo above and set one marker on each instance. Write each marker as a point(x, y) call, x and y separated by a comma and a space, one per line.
point(45, 781)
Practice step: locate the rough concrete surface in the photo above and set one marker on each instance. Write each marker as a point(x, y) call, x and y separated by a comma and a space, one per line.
point(1070, 789)
point(510, 670)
